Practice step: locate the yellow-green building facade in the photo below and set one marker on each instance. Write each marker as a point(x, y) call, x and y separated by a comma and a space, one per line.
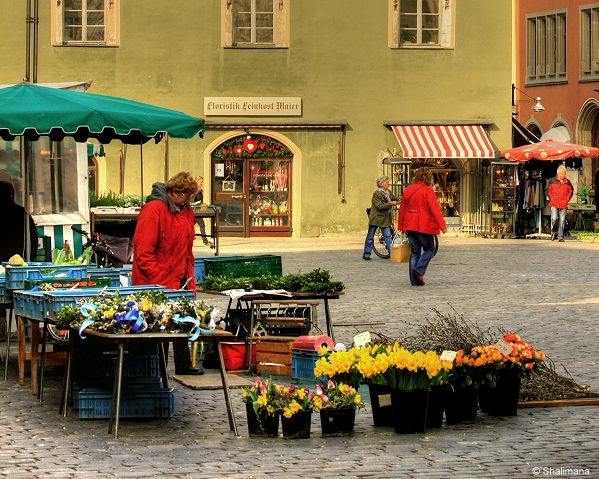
point(307, 91)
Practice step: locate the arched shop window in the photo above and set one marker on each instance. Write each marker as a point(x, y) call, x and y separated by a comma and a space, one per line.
point(251, 184)
point(446, 183)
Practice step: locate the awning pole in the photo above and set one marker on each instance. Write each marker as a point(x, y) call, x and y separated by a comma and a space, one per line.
point(141, 156)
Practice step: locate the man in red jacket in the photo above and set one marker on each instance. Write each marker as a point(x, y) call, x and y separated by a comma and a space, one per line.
point(560, 191)
point(420, 217)
point(163, 245)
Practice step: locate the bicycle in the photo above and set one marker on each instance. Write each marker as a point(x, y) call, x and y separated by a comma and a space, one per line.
point(108, 251)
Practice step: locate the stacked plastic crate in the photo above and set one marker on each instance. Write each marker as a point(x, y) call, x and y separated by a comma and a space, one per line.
point(142, 393)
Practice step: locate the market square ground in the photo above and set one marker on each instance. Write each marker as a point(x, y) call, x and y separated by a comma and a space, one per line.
point(547, 291)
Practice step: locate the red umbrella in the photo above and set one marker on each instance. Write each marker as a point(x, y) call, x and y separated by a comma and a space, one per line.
point(549, 150)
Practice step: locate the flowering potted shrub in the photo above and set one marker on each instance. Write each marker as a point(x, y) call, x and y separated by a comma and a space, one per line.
point(262, 415)
point(337, 403)
point(295, 405)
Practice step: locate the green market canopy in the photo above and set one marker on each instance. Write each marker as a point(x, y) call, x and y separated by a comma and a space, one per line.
point(31, 111)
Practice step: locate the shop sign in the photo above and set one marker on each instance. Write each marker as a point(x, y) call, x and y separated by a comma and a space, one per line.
point(252, 106)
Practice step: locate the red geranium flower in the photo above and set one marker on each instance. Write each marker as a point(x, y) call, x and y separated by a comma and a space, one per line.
point(224, 152)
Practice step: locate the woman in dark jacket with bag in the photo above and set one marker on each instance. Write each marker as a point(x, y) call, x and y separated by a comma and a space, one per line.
point(380, 215)
point(421, 219)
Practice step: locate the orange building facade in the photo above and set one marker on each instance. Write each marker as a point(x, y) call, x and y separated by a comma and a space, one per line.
point(557, 59)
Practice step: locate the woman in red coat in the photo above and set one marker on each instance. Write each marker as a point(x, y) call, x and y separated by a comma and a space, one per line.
point(420, 217)
point(163, 245)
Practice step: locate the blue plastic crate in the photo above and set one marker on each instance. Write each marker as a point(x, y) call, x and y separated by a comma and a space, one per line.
point(29, 304)
point(16, 275)
point(148, 403)
point(174, 294)
point(303, 363)
point(142, 366)
point(56, 300)
point(106, 384)
point(4, 296)
point(198, 270)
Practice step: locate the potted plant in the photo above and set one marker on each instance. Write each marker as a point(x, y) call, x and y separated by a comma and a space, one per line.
point(262, 416)
point(470, 371)
point(295, 405)
point(503, 391)
point(378, 389)
point(337, 403)
point(409, 375)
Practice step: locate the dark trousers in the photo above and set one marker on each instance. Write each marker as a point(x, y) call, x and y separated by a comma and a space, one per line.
point(422, 250)
point(181, 355)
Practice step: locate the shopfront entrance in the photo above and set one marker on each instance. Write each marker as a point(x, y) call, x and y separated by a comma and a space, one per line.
point(446, 183)
point(251, 185)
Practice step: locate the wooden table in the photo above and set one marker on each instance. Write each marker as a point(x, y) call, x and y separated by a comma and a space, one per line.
point(160, 338)
point(210, 212)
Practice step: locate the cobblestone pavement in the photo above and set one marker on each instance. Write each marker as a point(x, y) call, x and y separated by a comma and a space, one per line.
point(548, 291)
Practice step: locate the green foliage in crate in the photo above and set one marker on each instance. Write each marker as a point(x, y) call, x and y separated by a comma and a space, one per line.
point(317, 282)
point(114, 199)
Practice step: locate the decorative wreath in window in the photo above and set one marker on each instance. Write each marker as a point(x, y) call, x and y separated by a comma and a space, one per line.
point(257, 146)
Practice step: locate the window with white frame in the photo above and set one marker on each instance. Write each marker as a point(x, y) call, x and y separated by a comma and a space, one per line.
point(546, 48)
point(255, 23)
point(589, 43)
point(85, 22)
point(421, 23)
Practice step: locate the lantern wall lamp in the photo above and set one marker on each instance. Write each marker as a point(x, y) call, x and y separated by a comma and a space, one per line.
point(537, 107)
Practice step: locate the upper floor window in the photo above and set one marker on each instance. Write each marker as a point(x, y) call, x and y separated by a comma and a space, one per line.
point(546, 48)
point(255, 23)
point(85, 22)
point(589, 43)
point(421, 23)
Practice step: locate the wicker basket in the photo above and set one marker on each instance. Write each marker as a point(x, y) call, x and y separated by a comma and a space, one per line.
point(400, 251)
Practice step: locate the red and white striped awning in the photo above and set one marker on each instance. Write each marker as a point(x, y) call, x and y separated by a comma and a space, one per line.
point(444, 141)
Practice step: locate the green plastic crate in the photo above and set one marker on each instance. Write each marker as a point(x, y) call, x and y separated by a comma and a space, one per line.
point(246, 266)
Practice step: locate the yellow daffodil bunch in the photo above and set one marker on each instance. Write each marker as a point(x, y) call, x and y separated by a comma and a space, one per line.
point(340, 366)
point(335, 396)
point(400, 368)
point(261, 394)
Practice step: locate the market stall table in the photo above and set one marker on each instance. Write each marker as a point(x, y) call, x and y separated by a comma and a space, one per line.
point(160, 338)
point(249, 296)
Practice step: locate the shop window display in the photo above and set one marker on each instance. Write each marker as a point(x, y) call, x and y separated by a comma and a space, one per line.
point(269, 194)
point(446, 183)
point(499, 197)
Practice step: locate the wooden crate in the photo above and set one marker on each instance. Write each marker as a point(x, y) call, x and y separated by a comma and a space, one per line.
point(273, 354)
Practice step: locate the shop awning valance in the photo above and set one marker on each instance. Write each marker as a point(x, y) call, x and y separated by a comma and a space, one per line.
point(444, 141)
